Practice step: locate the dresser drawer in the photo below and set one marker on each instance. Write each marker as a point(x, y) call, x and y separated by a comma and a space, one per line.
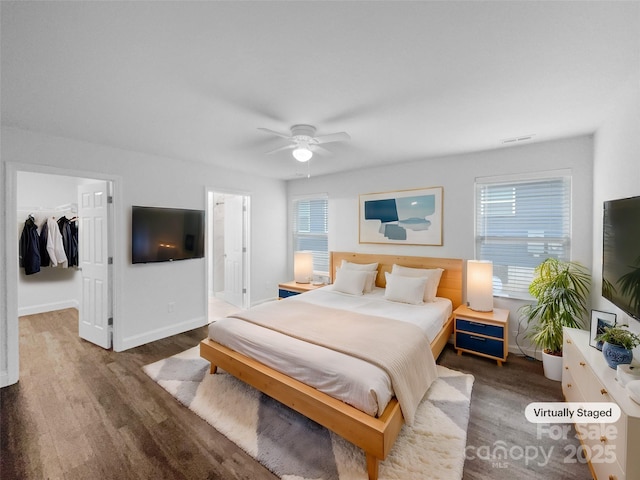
point(481, 328)
point(570, 388)
point(606, 470)
point(475, 343)
point(576, 372)
point(620, 441)
point(592, 388)
point(600, 448)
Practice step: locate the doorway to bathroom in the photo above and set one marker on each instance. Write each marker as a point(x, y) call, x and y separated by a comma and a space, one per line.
point(228, 253)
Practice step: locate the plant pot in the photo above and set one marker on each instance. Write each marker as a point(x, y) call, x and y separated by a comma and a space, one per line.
point(616, 355)
point(552, 365)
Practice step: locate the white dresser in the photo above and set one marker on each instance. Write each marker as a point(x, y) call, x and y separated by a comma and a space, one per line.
point(613, 453)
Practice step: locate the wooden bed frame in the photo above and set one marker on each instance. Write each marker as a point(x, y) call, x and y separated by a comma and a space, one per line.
point(374, 435)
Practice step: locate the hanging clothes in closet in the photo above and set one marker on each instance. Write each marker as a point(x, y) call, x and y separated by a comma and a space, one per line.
point(44, 255)
point(55, 247)
point(69, 234)
point(30, 247)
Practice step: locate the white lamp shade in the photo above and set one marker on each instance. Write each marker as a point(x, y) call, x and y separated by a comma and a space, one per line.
point(480, 285)
point(303, 266)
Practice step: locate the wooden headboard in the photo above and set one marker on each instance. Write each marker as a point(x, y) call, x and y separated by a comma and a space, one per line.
point(450, 283)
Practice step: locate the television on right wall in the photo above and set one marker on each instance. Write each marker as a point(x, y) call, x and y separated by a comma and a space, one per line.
point(621, 254)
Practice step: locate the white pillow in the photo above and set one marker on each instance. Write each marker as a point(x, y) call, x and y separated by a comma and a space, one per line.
point(404, 289)
point(350, 281)
point(359, 266)
point(372, 268)
point(431, 274)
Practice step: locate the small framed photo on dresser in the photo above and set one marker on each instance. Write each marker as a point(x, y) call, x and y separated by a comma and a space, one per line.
point(600, 320)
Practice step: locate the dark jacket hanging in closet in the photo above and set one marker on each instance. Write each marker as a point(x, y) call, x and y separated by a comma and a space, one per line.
point(69, 240)
point(30, 247)
point(74, 239)
point(44, 255)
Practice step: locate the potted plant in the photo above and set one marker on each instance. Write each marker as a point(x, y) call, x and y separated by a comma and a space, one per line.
point(561, 290)
point(618, 345)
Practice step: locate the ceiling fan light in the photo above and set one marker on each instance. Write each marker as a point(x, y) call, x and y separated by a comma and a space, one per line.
point(302, 154)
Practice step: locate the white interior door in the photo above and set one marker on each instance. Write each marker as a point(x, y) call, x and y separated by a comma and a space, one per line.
point(234, 250)
point(94, 261)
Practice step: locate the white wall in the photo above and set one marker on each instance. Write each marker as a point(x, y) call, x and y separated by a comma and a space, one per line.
point(616, 175)
point(457, 175)
point(143, 291)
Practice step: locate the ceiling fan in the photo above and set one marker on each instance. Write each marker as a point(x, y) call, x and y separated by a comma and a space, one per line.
point(304, 141)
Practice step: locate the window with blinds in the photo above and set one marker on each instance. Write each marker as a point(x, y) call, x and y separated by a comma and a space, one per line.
point(311, 230)
point(519, 224)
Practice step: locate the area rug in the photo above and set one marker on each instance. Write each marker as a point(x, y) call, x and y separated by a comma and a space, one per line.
point(296, 448)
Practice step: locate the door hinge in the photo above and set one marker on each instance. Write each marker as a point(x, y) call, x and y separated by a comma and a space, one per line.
point(110, 321)
point(110, 261)
point(109, 199)
point(244, 290)
point(244, 249)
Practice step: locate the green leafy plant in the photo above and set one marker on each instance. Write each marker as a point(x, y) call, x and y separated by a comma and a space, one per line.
point(619, 336)
point(561, 290)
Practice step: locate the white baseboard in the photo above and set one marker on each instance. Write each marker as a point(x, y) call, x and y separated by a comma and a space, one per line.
point(48, 307)
point(528, 351)
point(158, 334)
point(4, 379)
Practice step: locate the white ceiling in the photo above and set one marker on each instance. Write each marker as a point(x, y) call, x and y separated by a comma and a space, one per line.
point(195, 80)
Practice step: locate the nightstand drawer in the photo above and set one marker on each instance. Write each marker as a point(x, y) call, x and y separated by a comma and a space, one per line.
point(289, 289)
point(488, 346)
point(481, 328)
point(286, 293)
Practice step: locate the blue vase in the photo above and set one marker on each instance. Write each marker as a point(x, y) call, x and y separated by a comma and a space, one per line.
point(616, 355)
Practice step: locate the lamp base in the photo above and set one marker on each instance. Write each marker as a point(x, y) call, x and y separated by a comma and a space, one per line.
point(480, 309)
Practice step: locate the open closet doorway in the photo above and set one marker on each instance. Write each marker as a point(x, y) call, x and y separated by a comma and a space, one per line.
point(227, 253)
point(81, 278)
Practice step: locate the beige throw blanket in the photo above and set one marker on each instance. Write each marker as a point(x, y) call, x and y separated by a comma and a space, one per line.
point(401, 349)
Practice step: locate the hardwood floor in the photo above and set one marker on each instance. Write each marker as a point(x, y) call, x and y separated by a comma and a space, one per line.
point(498, 401)
point(83, 412)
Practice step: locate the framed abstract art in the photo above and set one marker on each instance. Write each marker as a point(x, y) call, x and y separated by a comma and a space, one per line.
point(405, 217)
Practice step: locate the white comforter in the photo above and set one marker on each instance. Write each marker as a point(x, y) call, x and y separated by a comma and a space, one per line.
point(357, 382)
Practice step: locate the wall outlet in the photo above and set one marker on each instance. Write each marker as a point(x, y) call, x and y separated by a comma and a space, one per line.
point(171, 307)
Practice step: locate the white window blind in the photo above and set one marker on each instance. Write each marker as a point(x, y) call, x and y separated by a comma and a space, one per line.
point(311, 230)
point(519, 224)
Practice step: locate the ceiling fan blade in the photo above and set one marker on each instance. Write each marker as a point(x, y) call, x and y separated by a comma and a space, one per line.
point(333, 137)
point(286, 147)
point(283, 135)
point(320, 150)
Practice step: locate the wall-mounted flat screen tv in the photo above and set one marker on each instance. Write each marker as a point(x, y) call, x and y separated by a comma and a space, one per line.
point(166, 234)
point(621, 254)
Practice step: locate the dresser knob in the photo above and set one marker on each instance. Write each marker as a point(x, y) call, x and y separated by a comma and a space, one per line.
point(603, 439)
point(566, 368)
point(603, 391)
point(568, 341)
point(568, 385)
point(613, 477)
point(582, 364)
